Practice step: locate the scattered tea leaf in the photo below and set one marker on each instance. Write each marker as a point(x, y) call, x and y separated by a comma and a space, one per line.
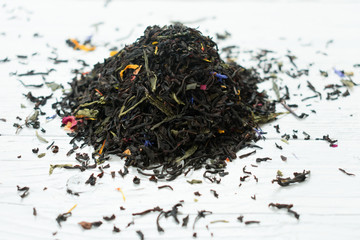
point(298, 177)
point(141, 235)
point(194, 181)
point(112, 217)
point(52, 167)
point(85, 225)
point(347, 173)
point(41, 139)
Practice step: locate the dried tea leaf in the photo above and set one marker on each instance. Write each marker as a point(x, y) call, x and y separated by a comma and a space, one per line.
point(34, 116)
point(298, 177)
point(89, 113)
point(350, 84)
point(187, 154)
point(131, 108)
point(116, 229)
point(54, 86)
point(218, 221)
point(191, 86)
point(52, 167)
point(267, 118)
point(100, 101)
point(41, 139)
point(152, 79)
point(195, 181)
point(185, 221)
point(173, 95)
point(85, 225)
point(275, 87)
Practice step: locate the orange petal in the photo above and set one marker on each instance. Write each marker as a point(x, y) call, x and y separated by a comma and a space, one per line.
point(131, 66)
point(102, 147)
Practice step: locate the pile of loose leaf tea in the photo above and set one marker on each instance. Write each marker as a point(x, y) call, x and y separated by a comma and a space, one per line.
point(167, 102)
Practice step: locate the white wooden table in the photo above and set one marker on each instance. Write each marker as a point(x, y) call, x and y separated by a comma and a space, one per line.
point(328, 201)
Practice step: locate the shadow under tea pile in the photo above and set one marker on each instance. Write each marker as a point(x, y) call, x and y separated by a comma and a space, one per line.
point(168, 101)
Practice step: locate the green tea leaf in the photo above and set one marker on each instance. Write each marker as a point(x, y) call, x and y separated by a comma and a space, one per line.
point(217, 221)
point(34, 116)
point(54, 86)
point(112, 133)
point(194, 181)
point(267, 118)
point(167, 119)
point(157, 102)
point(187, 154)
point(41, 139)
point(348, 83)
point(191, 86)
point(153, 79)
point(100, 101)
point(173, 95)
point(90, 113)
point(174, 132)
point(275, 87)
point(131, 108)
